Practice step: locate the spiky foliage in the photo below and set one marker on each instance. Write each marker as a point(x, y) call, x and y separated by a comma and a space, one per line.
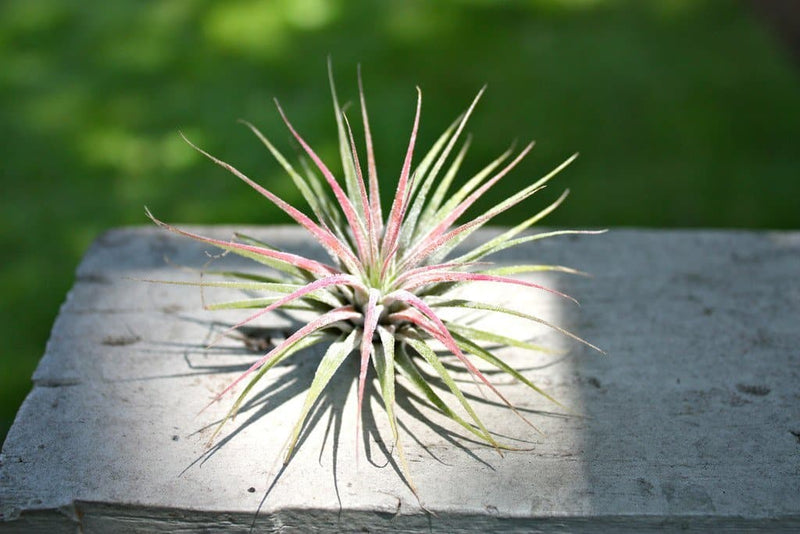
point(380, 297)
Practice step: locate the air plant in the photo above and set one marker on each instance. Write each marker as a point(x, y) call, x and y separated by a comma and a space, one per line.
point(379, 299)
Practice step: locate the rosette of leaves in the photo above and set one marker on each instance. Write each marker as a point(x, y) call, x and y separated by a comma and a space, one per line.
point(379, 299)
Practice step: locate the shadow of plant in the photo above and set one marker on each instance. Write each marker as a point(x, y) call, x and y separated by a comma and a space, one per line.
point(294, 381)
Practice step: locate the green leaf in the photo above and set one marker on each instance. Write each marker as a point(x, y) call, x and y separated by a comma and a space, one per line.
point(245, 238)
point(461, 303)
point(258, 303)
point(430, 356)
point(350, 179)
point(517, 269)
point(497, 247)
point(299, 181)
point(410, 371)
point(463, 231)
point(333, 219)
point(423, 181)
point(489, 247)
point(245, 276)
point(253, 286)
point(288, 351)
point(431, 217)
point(334, 356)
point(384, 360)
point(482, 335)
point(480, 352)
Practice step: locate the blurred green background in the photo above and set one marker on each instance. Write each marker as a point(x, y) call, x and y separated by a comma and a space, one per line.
point(686, 114)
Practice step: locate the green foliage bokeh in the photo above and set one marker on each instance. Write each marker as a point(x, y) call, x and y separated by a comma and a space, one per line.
point(686, 114)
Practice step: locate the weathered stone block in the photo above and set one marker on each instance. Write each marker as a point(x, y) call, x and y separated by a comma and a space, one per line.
point(692, 420)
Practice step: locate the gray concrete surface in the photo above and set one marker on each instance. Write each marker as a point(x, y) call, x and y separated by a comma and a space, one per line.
point(692, 420)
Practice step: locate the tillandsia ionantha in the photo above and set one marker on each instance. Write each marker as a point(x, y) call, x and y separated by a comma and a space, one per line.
point(380, 297)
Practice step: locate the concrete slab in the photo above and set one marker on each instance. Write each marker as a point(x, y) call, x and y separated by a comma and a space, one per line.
point(692, 420)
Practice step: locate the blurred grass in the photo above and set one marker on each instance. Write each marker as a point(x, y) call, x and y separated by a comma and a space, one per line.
point(686, 113)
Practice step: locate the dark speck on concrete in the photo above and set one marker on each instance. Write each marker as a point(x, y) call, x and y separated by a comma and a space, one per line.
point(756, 390)
point(120, 341)
point(645, 487)
point(91, 278)
point(736, 401)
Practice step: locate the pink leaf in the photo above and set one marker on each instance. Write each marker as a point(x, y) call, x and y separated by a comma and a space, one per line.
point(461, 208)
point(324, 236)
point(372, 233)
point(374, 192)
point(416, 302)
point(439, 331)
point(370, 324)
point(439, 267)
point(433, 326)
point(424, 250)
point(400, 201)
point(454, 276)
point(347, 206)
point(340, 279)
point(439, 229)
point(292, 259)
point(334, 316)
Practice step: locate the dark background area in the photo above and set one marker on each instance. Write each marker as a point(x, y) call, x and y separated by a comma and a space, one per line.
point(686, 114)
